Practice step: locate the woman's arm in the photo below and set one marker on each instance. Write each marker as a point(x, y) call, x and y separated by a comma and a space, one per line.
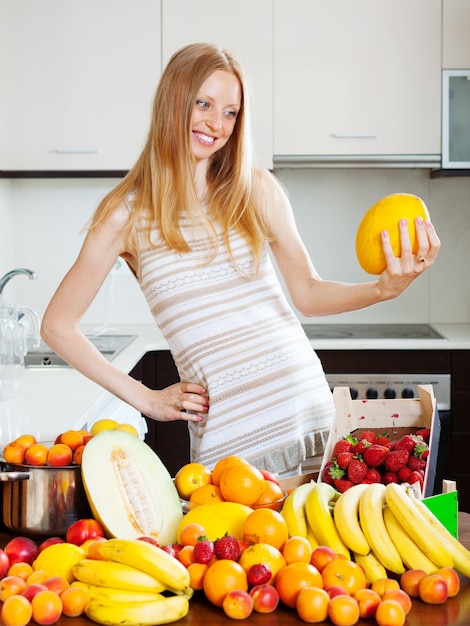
point(313, 296)
point(60, 329)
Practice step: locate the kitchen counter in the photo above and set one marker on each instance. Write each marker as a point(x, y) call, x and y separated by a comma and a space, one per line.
point(56, 399)
point(455, 611)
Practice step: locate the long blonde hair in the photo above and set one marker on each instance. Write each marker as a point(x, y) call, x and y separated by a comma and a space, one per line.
point(161, 181)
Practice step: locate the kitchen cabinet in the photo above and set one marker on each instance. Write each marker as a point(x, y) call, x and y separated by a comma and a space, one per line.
point(245, 29)
point(357, 82)
point(460, 443)
point(78, 81)
point(455, 39)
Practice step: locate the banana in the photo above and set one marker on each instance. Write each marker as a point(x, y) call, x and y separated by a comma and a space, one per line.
point(346, 516)
point(458, 552)
point(119, 575)
point(372, 523)
point(417, 526)
point(293, 510)
point(148, 558)
point(111, 613)
point(373, 568)
point(412, 555)
point(320, 518)
point(96, 592)
point(313, 541)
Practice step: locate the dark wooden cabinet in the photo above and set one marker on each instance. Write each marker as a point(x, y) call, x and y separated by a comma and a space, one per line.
point(460, 439)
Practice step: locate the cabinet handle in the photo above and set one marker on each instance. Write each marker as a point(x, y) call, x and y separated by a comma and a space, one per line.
point(76, 150)
point(354, 136)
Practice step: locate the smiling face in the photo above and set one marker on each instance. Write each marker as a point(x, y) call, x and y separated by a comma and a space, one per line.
point(215, 113)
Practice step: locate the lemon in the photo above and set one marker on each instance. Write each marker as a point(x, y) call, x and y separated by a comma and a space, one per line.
point(104, 424)
point(59, 559)
point(127, 428)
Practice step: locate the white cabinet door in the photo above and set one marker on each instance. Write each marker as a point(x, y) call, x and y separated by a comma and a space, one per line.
point(355, 79)
point(245, 29)
point(456, 34)
point(77, 81)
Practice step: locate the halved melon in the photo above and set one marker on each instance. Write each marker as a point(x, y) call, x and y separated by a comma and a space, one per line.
point(130, 491)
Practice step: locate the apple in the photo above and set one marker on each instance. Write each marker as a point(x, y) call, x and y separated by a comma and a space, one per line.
point(4, 564)
point(21, 550)
point(82, 530)
point(433, 589)
point(50, 542)
point(150, 540)
point(265, 598)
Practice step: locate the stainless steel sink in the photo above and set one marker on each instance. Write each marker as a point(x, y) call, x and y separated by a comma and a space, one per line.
point(109, 346)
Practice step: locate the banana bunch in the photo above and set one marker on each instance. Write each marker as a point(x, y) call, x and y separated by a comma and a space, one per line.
point(133, 583)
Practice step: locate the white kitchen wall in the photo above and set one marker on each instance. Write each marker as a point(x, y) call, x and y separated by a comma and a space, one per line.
point(42, 221)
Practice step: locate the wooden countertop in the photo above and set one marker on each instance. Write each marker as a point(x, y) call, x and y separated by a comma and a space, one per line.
point(455, 611)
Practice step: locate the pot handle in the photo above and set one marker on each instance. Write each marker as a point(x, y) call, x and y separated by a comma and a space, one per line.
point(10, 477)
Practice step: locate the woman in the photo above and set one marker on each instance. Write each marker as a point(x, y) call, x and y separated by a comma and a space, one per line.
point(194, 220)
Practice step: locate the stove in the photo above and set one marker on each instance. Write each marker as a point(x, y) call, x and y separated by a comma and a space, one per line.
point(371, 331)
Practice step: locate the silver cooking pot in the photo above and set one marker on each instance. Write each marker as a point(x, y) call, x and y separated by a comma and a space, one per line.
point(42, 500)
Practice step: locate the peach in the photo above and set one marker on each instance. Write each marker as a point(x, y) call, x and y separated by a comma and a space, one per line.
point(321, 556)
point(57, 584)
point(400, 596)
point(390, 612)
point(382, 585)
point(16, 611)
point(24, 570)
point(312, 604)
point(409, 581)
point(72, 438)
point(343, 609)
point(59, 455)
point(238, 604)
point(32, 589)
point(26, 440)
point(11, 586)
point(452, 579)
point(36, 454)
point(74, 601)
point(47, 607)
point(92, 548)
point(265, 598)
point(433, 589)
point(37, 578)
point(336, 590)
point(368, 601)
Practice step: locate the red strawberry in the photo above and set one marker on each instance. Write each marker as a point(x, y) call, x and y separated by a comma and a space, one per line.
point(404, 475)
point(416, 478)
point(343, 445)
point(326, 472)
point(396, 459)
point(415, 463)
point(383, 440)
point(361, 446)
point(425, 433)
point(372, 476)
point(227, 547)
point(343, 459)
point(342, 484)
point(369, 436)
point(375, 455)
point(389, 477)
point(407, 442)
point(203, 550)
point(421, 450)
point(357, 470)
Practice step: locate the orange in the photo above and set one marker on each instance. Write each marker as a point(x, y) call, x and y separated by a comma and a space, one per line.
point(343, 610)
point(196, 572)
point(206, 494)
point(271, 493)
point(242, 483)
point(191, 533)
point(265, 526)
point(190, 477)
point(390, 613)
point(16, 611)
point(312, 604)
point(223, 464)
point(347, 574)
point(14, 452)
point(26, 440)
point(294, 577)
point(297, 549)
point(263, 553)
point(221, 577)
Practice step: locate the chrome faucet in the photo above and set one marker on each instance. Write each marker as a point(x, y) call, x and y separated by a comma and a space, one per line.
point(9, 275)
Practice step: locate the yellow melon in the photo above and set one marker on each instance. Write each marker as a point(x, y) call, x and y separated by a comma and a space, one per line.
point(217, 519)
point(385, 215)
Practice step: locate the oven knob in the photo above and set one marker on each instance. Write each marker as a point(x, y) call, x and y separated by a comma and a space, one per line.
point(354, 393)
point(407, 393)
point(372, 394)
point(390, 393)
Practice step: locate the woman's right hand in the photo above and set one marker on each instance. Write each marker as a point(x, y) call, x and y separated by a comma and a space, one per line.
point(181, 401)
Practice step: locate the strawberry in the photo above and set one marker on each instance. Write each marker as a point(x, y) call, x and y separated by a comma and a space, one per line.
point(415, 463)
point(227, 547)
point(389, 477)
point(404, 474)
point(396, 459)
point(416, 478)
point(343, 459)
point(326, 475)
point(360, 446)
point(342, 484)
point(203, 550)
point(425, 433)
point(369, 436)
point(375, 455)
point(421, 450)
point(372, 476)
point(407, 442)
point(357, 470)
point(383, 440)
point(343, 445)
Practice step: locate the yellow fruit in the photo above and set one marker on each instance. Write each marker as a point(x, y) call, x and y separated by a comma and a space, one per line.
point(128, 428)
point(217, 519)
point(190, 477)
point(263, 553)
point(385, 215)
point(104, 424)
point(59, 559)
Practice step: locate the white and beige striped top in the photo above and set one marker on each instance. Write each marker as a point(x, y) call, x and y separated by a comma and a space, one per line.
point(238, 336)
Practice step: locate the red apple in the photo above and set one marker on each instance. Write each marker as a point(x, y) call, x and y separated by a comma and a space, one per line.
point(21, 550)
point(83, 529)
point(150, 540)
point(4, 564)
point(265, 598)
point(50, 542)
point(433, 589)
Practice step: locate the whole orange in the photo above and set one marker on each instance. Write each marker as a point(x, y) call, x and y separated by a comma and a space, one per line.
point(297, 549)
point(294, 577)
point(190, 477)
point(265, 526)
point(220, 467)
point(263, 553)
point(345, 573)
point(242, 483)
point(343, 610)
point(312, 604)
point(206, 494)
point(272, 493)
point(221, 577)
